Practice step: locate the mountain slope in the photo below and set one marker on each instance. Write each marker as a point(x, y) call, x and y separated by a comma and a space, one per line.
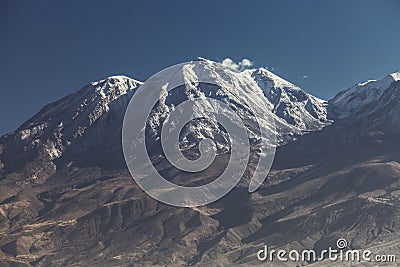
point(371, 106)
point(291, 103)
point(348, 101)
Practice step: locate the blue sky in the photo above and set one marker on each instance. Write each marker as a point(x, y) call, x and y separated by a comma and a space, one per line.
point(51, 49)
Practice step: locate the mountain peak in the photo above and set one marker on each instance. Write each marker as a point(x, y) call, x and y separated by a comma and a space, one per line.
point(395, 75)
point(352, 99)
point(201, 59)
point(114, 77)
point(110, 84)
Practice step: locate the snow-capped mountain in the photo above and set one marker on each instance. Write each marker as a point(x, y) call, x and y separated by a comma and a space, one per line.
point(86, 126)
point(88, 120)
point(99, 104)
point(348, 101)
point(293, 110)
point(370, 106)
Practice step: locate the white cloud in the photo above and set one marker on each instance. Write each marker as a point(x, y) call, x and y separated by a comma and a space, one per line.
point(305, 76)
point(244, 64)
point(230, 63)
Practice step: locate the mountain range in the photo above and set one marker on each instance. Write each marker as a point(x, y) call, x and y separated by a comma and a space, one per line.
point(67, 198)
